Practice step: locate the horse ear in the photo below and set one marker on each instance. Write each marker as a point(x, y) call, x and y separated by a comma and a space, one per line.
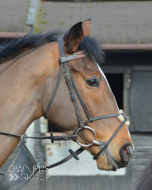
point(74, 37)
point(86, 27)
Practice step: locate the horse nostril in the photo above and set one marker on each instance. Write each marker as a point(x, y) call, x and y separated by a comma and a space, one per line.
point(126, 152)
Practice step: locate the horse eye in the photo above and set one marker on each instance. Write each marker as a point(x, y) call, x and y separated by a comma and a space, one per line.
point(92, 82)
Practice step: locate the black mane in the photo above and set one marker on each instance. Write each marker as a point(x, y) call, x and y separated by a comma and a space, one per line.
point(11, 49)
point(30, 41)
point(92, 47)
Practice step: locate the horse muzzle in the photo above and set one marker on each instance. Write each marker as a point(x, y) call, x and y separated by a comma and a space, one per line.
point(126, 152)
point(109, 161)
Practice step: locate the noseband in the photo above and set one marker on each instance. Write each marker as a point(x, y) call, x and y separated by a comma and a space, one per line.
point(73, 89)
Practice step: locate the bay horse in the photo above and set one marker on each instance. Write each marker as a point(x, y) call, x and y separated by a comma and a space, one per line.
point(29, 70)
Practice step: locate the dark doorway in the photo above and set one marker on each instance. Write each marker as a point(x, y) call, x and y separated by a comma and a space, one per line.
point(116, 83)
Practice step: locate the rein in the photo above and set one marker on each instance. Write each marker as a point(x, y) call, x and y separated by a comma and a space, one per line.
point(51, 137)
point(82, 125)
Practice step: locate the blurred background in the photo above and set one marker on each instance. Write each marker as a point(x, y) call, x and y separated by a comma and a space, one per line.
point(125, 30)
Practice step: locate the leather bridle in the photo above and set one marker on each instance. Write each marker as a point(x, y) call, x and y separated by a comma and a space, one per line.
point(73, 90)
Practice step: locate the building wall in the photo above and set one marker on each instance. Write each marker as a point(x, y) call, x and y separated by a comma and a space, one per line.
point(13, 15)
point(118, 22)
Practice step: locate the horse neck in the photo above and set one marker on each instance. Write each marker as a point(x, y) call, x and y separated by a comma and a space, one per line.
point(4, 66)
point(21, 84)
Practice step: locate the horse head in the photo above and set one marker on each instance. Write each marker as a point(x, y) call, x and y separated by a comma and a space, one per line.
point(104, 127)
